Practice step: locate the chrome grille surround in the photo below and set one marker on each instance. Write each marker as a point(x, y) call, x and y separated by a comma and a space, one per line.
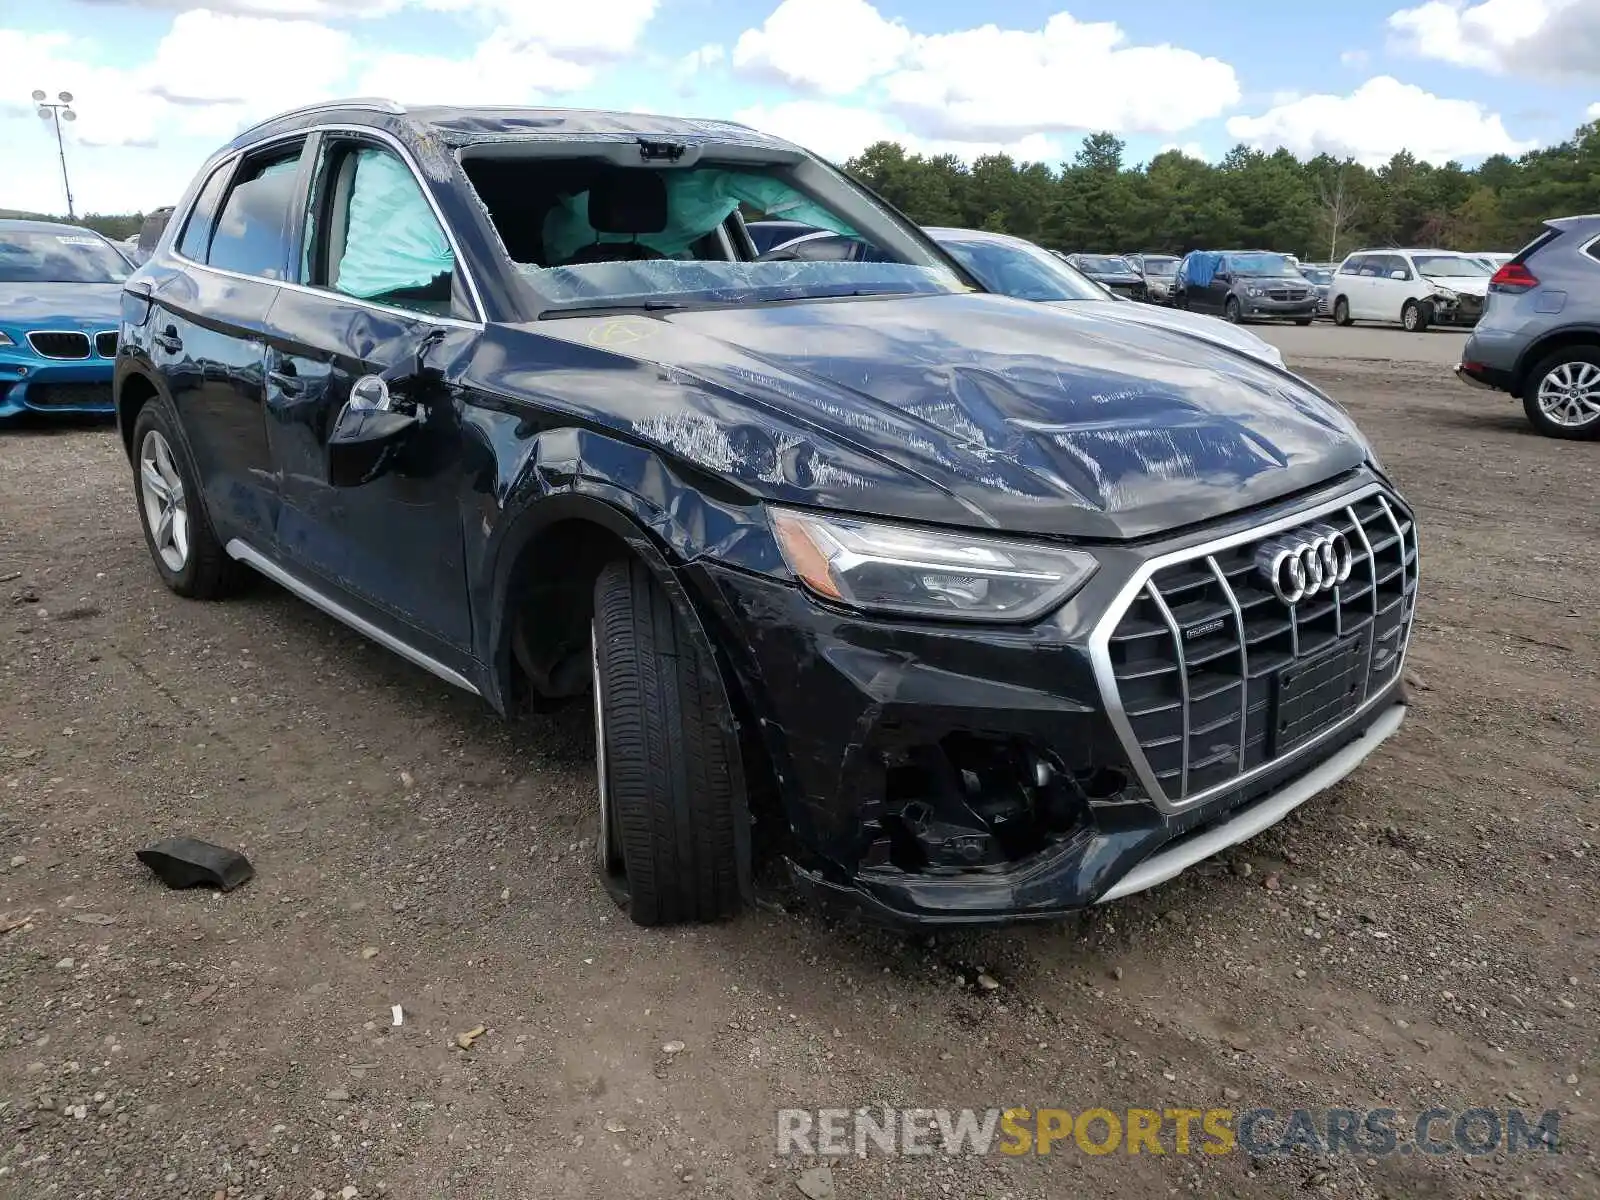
point(59, 343)
point(1196, 645)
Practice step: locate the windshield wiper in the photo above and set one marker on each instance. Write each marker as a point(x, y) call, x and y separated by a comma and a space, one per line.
point(601, 310)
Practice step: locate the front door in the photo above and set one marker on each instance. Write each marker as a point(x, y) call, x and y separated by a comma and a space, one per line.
point(379, 275)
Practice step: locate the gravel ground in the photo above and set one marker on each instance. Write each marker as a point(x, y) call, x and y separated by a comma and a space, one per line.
point(1425, 934)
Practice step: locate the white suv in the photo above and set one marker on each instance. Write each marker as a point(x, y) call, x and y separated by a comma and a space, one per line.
point(1412, 288)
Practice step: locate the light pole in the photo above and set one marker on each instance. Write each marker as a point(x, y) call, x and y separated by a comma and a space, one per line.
point(58, 111)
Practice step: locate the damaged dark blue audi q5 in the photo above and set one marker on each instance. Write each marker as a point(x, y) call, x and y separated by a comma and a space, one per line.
point(974, 610)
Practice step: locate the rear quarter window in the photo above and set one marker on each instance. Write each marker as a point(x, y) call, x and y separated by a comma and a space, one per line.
point(251, 234)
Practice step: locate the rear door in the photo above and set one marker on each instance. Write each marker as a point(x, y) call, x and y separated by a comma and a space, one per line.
point(379, 282)
point(208, 324)
point(1389, 294)
point(1347, 283)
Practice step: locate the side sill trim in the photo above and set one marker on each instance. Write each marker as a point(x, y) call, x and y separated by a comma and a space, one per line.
point(248, 555)
point(1166, 864)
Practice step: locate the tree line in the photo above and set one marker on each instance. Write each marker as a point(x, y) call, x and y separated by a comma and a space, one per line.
point(1319, 209)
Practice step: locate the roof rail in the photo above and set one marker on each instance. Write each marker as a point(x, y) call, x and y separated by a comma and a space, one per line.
point(372, 103)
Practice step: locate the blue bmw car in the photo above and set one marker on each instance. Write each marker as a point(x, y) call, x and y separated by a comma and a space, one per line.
point(60, 290)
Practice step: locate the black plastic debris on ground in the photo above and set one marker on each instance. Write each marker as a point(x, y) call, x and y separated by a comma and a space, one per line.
point(184, 862)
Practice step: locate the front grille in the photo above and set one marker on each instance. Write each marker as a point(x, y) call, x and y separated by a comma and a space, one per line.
point(70, 395)
point(60, 345)
point(1287, 294)
point(105, 344)
point(1217, 677)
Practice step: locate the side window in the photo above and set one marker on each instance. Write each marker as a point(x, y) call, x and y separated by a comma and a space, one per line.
point(1352, 265)
point(252, 231)
point(1396, 263)
point(373, 234)
point(197, 231)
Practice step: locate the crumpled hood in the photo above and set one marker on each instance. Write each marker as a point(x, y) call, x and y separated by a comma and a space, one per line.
point(1466, 285)
point(87, 306)
point(969, 409)
point(1196, 324)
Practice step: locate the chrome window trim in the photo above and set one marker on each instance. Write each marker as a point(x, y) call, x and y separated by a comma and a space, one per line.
point(1105, 677)
point(393, 143)
point(88, 337)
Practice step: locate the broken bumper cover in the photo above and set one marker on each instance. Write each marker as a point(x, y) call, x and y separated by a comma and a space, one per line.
point(886, 737)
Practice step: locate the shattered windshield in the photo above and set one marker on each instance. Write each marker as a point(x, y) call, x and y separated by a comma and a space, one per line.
point(1451, 265)
point(609, 231)
point(33, 256)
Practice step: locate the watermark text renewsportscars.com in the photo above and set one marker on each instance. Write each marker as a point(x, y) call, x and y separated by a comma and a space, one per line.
point(1260, 1132)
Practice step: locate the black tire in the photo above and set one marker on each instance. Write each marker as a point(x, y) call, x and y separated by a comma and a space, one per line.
point(1341, 312)
point(1414, 316)
point(1231, 312)
point(1302, 320)
point(671, 757)
point(1537, 417)
point(206, 573)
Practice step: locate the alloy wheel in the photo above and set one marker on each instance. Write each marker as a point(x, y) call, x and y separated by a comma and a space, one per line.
point(1570, 394)
point(166, 508)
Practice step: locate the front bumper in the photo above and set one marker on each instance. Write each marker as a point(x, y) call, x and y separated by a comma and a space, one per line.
point(937, 774)
point(1265, 306)
point(29, 383)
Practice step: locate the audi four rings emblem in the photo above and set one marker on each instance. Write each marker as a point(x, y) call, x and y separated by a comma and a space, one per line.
point(1306, 562)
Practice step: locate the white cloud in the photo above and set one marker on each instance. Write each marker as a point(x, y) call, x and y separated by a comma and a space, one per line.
point(988, 84)
point(1382, 117)
point(1534, 37)
point(1188, 150)
point(1355, 58)
point(495, 73)
point(1593, 113)
point(198, 68)
point(1069, 76)
point(290, 9)
point(838, 131)
point(585, 30)
point(830, 46)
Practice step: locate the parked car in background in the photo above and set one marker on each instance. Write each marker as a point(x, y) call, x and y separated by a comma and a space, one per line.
point(1539, 336)
point(1244, 285)
point(1492, 259)
point(1158, 272)
point(1410, 288)
point(60, 299)
point(155, 224)
point(1112, 272)
point(1016, 267)
point(1321, 278)
point(945, 592)
point(768, 234)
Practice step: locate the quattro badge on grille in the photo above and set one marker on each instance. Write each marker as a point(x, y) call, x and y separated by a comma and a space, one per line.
point(1305, 563)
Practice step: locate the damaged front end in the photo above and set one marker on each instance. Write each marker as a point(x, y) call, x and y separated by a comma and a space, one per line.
point(934, 772)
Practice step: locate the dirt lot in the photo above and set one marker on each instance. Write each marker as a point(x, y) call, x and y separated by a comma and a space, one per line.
point(1425, 934)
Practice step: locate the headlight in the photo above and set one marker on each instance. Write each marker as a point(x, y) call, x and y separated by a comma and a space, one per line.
point(1252, 291)
point(1443, 293)
point(888, 568)
point(5, 339)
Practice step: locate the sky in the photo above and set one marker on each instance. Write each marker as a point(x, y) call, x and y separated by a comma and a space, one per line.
point(157, 85)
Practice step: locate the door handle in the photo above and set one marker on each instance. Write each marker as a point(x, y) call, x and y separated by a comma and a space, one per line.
point(169, 340)
point(286, 380)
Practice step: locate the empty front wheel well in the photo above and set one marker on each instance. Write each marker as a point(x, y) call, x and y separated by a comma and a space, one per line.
point(551, 603)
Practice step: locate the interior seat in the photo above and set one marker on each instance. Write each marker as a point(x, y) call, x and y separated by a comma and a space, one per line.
point(624, 203)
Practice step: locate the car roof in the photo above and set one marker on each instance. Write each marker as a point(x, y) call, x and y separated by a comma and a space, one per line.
point(463, 125)
point(12, 224)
